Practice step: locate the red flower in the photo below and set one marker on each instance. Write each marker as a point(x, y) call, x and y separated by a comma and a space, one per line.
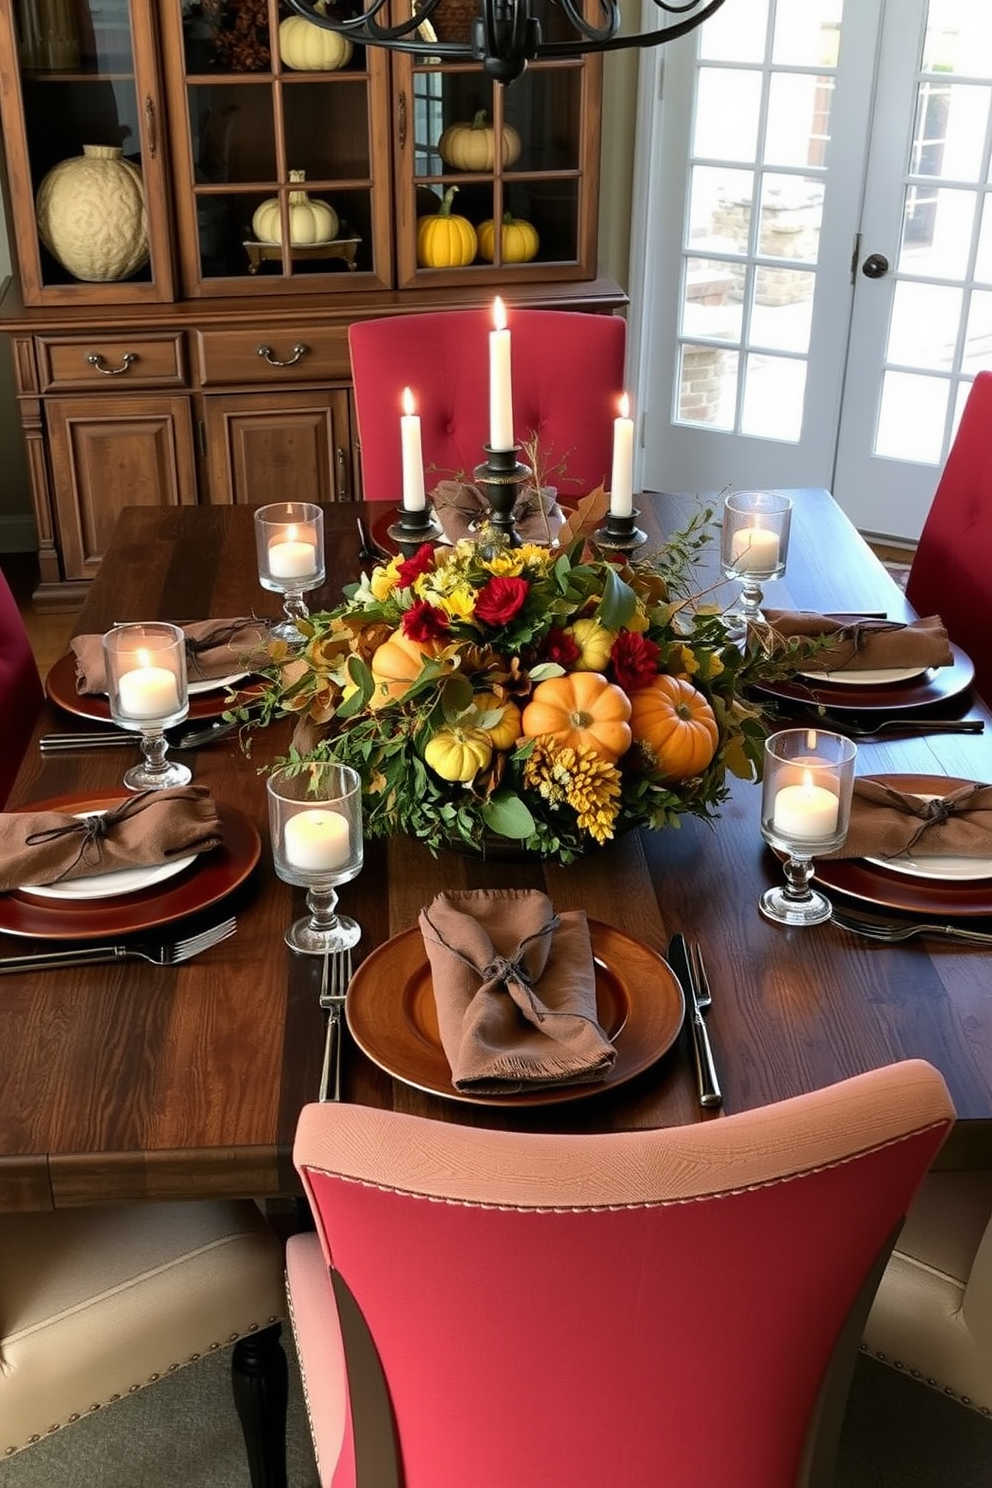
point(560, 647)
point(422, 622)
point(500, 600)
point(634, 659)
point(412, 568)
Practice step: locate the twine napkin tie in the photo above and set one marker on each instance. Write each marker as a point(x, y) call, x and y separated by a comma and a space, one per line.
point(887, 822)
point(214, 648)
point(461, 507)
point(858, 645)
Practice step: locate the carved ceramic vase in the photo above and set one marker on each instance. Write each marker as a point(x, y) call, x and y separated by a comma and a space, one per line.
point(91, 215)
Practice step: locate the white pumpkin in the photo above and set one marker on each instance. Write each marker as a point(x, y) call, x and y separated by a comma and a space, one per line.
point(310, 48)
point(310, 220)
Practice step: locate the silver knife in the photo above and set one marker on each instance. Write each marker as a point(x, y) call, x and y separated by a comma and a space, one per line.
point(678, 959)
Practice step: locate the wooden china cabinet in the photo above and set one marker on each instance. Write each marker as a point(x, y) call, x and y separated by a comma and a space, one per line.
point(218, 371)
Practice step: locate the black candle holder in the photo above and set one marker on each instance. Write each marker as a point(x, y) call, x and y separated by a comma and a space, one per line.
point(619, 535)
point(415, 528)
point(501, 478)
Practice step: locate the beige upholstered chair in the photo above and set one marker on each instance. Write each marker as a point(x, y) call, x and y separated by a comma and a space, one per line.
point(932, 1314)
point(97, 1302)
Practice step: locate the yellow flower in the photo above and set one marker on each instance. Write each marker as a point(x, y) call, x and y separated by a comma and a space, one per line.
point(459, 604)
point(384, 580)
point(505, 565)
point(690, 661)
point(582, 779)
point(534, 556)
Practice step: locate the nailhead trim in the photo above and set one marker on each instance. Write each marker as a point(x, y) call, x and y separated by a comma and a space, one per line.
point(897, 1364)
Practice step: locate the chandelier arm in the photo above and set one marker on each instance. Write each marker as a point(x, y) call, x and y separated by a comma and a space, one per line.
point(577, 48)
point(609, 8)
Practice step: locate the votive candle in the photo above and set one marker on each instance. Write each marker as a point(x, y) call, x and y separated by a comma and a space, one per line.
point(754, 550)
point(290, 557)
point(414, 495)
point(148, 691)
point(317, 840)
point(500, 382)
point(805, 812)
point(622, 478)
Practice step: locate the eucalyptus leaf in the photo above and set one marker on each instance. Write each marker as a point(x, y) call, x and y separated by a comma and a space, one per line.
point(508, 816)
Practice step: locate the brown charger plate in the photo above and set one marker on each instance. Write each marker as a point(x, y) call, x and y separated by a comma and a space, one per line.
point(213, 876)
point(876, 885)
point(392, 1017)
point(60, 685)
point(932, 687)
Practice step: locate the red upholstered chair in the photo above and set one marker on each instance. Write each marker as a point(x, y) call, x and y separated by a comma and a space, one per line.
point(632, 1309)
point(951, 573)
point(20, 689)
point(568, 373)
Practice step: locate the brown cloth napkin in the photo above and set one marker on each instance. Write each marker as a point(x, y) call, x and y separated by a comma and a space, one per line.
point(457, 505)
point(515, 989)
point(214, 648)
point(865, 645)
point(46, 847)
point(886, 822)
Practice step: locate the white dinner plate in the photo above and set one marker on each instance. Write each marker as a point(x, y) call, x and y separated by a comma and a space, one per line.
point(880, 677)
point(214, 684)
point(949, 870)
point(110, 885)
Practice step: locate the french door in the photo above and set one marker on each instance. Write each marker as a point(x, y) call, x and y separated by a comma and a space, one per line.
point(816, 242)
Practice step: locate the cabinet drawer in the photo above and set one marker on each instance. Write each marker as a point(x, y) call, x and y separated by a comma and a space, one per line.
point(274, 355)
point(150, 359)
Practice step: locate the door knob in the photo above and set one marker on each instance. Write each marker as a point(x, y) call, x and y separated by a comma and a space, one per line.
point(875, 266)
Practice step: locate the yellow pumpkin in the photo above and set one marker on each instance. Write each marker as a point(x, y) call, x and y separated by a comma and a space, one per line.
point(310, 220)
point(458, 754)
point(505, 733)
point(472, 146)
point(580, 708)
point(310, 48)
point(595, 643)
point(674, 722)
point(518, 240)
point(445, 240)
point(395, 665)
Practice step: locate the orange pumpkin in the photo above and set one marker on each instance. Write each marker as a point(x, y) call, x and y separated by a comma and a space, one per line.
point(504, 733)
point(395, 665)
point(674, 722)
point(580, 708)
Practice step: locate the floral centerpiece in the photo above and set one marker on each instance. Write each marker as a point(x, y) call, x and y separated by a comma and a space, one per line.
point(543, 696)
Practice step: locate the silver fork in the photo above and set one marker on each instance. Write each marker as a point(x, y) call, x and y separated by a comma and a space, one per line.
point(892, 931)
point(191, 738)
point(704, 999)
point(335, 976)
point(165, 954)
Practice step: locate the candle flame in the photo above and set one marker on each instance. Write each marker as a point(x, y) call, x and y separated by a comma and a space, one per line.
point(807, 781)
point(290, 533)
point(499, 314)
point(624, 406)
point(143, 658)
point(409, 406)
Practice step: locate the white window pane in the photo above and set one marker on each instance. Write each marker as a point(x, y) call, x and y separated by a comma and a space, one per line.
point(774, 388)
point(712, 300)
point(936, 232)
point(791, 209)
point(978, 344)
point(911, 418)
point(959, 37)
point(736, 33)
point(707, 386)
point(720, 208)
point(726, 122)
point(983, 263)
point(949, 132)
point(807, 33)
point(782, 313)
point(925, 319)
point(798, 125)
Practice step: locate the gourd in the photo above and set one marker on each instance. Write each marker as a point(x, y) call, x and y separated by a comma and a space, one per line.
point(580, 708)
point(445, 241)
point(472, 146)
point(676, 725)
point(91, 215)
point(458, 754)
point(518, 240)
point(504, 733)
point(310, 220)
point(310, 48)
point(395, 666)
point(595, 643)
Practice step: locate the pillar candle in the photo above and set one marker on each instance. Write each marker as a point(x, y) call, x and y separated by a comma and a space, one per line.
point(622, 478)
point(317, 840)
point(500, 382)
point(414, 496)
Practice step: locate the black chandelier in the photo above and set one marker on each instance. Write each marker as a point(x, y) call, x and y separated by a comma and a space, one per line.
point(505, 35)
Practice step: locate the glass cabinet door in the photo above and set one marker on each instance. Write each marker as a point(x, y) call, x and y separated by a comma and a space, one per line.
point(83, 134)
point(280, 146)
point(525, 157)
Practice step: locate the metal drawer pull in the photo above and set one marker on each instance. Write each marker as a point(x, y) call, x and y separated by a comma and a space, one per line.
point(299, 352)
point(96, 360)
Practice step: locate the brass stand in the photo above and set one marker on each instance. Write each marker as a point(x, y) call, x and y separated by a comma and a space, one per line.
point(415, 528)
point(501, 478)
point(619, 535)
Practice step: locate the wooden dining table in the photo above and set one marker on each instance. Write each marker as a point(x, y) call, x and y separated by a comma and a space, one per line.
point(133, 1081)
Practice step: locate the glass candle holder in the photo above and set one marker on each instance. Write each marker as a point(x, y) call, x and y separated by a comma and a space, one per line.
point(806, 793)
point(146, 687)
point(289, 544)
point(315, 821)
point(754, 545)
